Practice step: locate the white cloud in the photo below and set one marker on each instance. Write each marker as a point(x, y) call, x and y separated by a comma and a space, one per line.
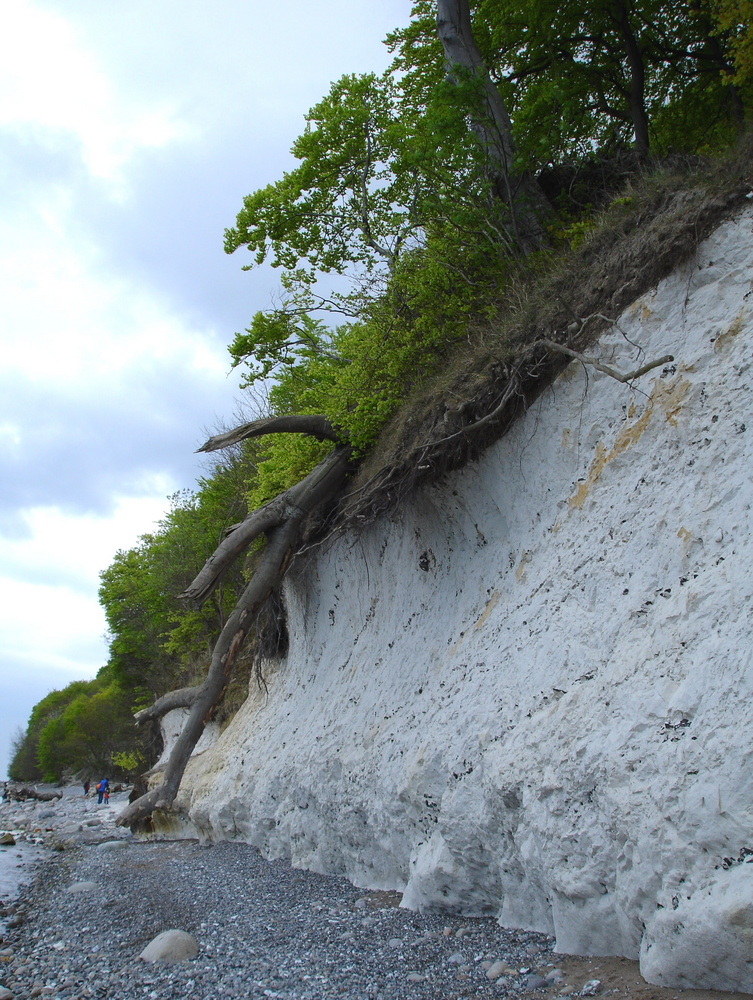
point(52, 87)
point(50, 627)
point(59, 625)
point(128, 136)
point(62, 546)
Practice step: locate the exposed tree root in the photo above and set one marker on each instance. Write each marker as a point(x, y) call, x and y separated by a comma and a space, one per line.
point(283, 533)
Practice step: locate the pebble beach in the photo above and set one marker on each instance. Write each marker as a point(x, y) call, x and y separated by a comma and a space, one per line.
point(95, 896)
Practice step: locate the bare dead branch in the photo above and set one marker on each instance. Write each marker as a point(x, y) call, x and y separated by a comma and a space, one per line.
point(285, 507)
point(312, 424)
point(320, 485)
point(181, 698)
point(237, 541)
point(623, 377)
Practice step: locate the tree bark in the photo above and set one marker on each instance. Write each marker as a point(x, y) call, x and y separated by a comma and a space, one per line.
point(637, 93)
point(311, 424)
point(322, 484)
point(285, 507)
point(491, 123)
point(182, 698)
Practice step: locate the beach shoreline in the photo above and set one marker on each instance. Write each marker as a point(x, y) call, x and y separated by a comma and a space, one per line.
point(97, 896)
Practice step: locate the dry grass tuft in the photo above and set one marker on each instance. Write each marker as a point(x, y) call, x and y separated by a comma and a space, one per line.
point(653, 226)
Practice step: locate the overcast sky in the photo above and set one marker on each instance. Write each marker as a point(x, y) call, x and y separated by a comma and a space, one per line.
point(129, 133)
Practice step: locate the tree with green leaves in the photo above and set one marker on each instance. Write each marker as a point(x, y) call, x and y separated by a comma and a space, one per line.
point(417, 188)
point(82, 728)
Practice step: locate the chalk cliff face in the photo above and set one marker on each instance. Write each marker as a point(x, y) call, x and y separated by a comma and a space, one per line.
point(530, 692)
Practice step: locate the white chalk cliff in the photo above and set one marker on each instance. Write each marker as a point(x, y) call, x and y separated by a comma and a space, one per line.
point(529, 692)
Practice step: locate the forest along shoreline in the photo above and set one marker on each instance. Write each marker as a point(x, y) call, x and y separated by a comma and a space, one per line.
point(92, 896)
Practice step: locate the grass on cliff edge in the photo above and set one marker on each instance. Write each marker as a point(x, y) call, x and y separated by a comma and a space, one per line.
point(654, 224)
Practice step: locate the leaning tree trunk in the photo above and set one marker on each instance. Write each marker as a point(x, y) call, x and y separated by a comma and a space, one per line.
point(281, 521)
point(491, 123)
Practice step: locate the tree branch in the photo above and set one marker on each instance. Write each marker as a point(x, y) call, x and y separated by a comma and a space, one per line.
point(283, 508)
point(320, 485)
point(181, 698)
point(312, 424)
point(552, 345)
point(492, 125)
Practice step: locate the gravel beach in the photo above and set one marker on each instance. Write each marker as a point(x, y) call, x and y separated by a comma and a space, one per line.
point(263, 929)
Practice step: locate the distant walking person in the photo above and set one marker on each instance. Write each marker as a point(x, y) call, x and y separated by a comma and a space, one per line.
point(107, 792)
point(102, 787)
point(87, 786)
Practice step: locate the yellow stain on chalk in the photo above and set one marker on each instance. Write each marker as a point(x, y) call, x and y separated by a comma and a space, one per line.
point(728, 335)
point(520, 571)
point(490, 604)
point(669, 398)
point(598, 462)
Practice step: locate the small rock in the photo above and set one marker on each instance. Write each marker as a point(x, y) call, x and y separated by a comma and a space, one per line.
point(82, 887)
point(591, 988)
point(495, 970)
point(415, 977)
point(446, 931)
point(461, 932)
point(395, 943)
point(5, 994)
point(456, 958)
point(112, 845)
point(7, 840)
point(535, 982)
point(171, 946)
point(554, 976)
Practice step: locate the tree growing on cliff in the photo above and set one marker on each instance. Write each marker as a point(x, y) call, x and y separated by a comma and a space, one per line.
point(364, 199)
point(418, 194)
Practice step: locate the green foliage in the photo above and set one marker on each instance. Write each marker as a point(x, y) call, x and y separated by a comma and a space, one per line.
point(156, 642)
point(735, 19)
point(131, 762)
point(80, 728)
point(394, 194)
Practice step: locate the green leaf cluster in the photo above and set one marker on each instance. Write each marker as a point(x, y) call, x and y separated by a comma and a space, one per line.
point(156, 642)
point(80, 729)
point(393, 196)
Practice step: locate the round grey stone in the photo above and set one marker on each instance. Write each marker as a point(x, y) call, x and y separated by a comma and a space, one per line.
point(112, 845)
point(171, 946)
